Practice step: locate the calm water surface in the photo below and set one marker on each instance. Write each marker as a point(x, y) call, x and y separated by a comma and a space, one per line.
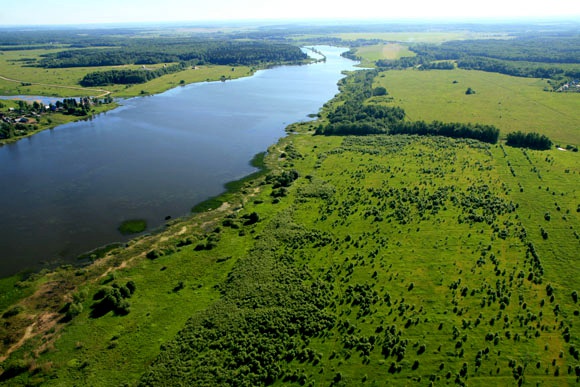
point(66, 190)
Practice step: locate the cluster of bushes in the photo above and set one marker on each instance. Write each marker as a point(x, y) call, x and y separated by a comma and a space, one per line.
point(113, 298)
point(528, 140)
point(281, 182)
point(268, 311)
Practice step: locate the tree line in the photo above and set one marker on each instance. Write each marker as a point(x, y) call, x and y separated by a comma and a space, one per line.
point(127, 76)
point(194, 51)
point(484, 133)
point(554, 57)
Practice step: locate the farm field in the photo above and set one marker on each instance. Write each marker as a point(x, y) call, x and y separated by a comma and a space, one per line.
point(510, 103)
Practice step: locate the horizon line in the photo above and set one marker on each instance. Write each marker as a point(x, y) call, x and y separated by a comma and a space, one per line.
point(327, 21)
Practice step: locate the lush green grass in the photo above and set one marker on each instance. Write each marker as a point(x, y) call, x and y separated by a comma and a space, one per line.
point(510, 103)
point(434, 251)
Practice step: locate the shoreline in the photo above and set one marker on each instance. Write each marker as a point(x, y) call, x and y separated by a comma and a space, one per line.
point(230, 189)
point(147, 89)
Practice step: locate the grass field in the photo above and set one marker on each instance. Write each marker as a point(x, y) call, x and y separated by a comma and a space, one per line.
point(370, 54)
point(65, 82)
point(394, 241)
point(510, 103)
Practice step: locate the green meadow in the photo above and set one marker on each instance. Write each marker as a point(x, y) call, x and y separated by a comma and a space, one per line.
point(510, 103)
point(64, 82)
point(370, 54)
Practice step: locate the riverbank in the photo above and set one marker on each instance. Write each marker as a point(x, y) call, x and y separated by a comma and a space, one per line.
point(155, 86)
point(195, 74)
point(36, 297)
point(185, 144)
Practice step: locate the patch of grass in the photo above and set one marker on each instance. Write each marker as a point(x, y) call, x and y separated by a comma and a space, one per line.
point(12, 289)
point(370, 54)
point(132, 226)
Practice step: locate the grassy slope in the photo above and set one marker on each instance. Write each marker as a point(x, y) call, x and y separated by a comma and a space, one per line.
point(510, 103)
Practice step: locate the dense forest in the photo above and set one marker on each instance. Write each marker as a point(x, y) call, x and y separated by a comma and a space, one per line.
point(195, 51)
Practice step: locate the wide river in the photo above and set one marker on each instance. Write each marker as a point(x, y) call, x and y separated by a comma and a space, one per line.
point(65, 191)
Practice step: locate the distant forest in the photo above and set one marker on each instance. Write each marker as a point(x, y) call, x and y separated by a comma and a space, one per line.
point(555, 56)
point(161, 50)
point(176, 53)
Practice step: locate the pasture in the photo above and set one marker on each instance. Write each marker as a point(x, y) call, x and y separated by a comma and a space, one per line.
point(510, 103)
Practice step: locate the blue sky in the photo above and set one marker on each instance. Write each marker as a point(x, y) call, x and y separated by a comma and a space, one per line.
point(44, 12)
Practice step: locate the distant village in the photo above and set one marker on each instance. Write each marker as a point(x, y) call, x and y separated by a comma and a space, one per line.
point(572, 86)
point(24, 118)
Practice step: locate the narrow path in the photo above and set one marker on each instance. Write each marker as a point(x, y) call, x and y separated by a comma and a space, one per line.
point(103, 91)
point(27, 334)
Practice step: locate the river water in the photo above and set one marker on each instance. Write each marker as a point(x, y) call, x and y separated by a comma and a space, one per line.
point(65, 191)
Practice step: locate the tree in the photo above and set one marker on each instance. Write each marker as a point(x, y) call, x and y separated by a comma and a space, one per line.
point(378, 91)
